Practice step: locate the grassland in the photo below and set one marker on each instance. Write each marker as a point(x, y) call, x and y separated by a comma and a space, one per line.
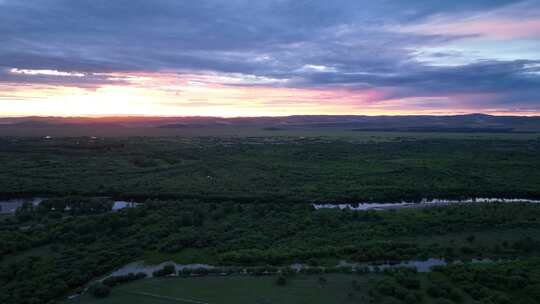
point(498, 283)
point(63, 131)
point(338, 288)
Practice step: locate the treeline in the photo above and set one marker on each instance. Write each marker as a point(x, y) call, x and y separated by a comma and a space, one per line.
point(122, 279)
point(73, 205)
point(497, 283)
point(269, 170)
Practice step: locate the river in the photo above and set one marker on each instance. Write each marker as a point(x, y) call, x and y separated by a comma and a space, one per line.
point(419, 265)
point(421, 204)
point(10, 206)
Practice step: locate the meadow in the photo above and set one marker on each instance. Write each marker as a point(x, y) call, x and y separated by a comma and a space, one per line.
point(499, 283)
point(336, 288)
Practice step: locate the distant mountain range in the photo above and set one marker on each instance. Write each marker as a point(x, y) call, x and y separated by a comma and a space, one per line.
point(415, 123)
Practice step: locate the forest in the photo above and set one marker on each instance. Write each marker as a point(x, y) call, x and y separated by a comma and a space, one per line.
point(272, 169)
point(245, 206)
point(48, 253)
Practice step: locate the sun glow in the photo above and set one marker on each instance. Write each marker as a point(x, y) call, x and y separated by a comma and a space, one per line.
point(172, 94)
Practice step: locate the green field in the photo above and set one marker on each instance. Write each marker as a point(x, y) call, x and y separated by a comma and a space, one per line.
point(337, 289)
point(497, 283)
point(250, 130)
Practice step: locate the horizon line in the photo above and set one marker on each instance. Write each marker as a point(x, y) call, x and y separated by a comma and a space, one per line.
point(262, 116)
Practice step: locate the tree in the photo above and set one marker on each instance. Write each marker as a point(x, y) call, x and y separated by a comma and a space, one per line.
point(166, 270)
point(455, 295)
point(412, 298)
point(99, 290)
point(435, 291)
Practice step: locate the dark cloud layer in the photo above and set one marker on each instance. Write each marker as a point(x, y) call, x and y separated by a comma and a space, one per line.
point(309, 43)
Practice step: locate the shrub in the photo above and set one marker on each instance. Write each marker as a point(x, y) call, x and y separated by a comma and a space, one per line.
point(408, 281)
point(99, 290)
point(281, 280)
point(455, 295)
point(533, 291)
point(436, 291)
point(115, 280)
point(166, 270)
point(288, 271)
point(412, 298)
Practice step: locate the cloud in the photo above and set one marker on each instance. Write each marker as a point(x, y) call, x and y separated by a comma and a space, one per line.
point(45, 72)
point(407, 49)
point(58, 78)
point(520, 20)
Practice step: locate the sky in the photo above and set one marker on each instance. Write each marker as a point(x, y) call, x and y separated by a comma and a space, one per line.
point(269, 57)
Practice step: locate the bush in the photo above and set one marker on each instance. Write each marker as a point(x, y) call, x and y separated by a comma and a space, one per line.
point(288, 271)
point(408, 281)
point(412, 298)
point(200, 271)
point(435, 292)
point(99, 290)
point(500, 299)
point(455, 295)
point(533, 291)
point(281, 280)
point(400, 292)
point(312, 270)
point(115, 280)
point(478, 292)
point(386, 287)
point(166, 270)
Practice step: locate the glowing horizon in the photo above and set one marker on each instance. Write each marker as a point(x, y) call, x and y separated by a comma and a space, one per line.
point(168, 94)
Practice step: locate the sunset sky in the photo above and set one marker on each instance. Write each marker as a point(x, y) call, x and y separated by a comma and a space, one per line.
point(271, 57)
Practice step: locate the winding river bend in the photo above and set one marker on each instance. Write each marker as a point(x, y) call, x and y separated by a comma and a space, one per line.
point(418, 265)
